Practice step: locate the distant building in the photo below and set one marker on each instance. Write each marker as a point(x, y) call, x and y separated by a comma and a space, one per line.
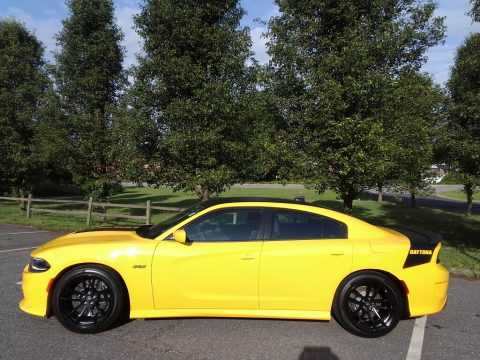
point(438, 172)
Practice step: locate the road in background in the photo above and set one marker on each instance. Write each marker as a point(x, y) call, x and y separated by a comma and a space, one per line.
point(433, 200)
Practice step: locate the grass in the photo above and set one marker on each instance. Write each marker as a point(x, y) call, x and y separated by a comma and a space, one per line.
point(458, 195)
point(461, 244)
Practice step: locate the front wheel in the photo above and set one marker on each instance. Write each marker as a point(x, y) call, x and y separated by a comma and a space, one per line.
point(88, 299)
point(368, 304)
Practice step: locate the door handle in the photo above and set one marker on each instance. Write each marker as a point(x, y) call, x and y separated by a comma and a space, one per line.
point(248, 256)
point(337, 254)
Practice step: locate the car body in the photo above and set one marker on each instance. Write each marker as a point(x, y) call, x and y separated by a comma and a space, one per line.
point(258, 258)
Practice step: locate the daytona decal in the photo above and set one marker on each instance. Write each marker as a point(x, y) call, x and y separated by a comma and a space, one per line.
point(421, 252)
point(422, 245)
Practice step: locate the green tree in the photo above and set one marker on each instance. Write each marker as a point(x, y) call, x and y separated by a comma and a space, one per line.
point(334, 63)
point(89, 77)
point(22, 85)
point(414, 120)
point(49, 139)
point(475, 11)
point(193, 87)
point(463, 127)
point(266, 152)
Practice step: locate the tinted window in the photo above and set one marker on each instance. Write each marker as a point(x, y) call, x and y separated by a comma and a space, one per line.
point(297, 225)
point(226, 225)
point(154, 231)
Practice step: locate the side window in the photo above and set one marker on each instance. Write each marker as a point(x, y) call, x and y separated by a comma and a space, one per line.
point(297, 225)
point(226, 225)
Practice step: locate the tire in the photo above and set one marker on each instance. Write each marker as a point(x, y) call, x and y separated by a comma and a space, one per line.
point(368, 304)
point(89, 299)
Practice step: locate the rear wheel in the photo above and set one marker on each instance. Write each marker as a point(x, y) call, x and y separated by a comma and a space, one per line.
point(368, 304)
point(88, 299)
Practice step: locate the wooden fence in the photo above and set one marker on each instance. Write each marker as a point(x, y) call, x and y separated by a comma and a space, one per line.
point(91, 205)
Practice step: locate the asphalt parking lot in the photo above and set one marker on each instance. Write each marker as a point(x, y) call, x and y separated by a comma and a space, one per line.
point(451, 334)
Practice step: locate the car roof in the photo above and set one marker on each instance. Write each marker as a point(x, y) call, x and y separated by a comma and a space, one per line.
point(218, 201)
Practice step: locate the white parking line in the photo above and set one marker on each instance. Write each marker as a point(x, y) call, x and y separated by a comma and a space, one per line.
point(23, 232)
point(18, 249)
point(416, 343)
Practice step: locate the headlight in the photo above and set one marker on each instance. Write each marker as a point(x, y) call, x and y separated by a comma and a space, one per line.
point(38, 265)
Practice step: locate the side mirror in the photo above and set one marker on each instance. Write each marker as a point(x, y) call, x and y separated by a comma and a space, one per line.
point(180, 236)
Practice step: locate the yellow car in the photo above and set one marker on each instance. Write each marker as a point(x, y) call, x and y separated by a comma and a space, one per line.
point(256, 258)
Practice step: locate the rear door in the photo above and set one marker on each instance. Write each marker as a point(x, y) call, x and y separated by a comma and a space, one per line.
point(304, 257)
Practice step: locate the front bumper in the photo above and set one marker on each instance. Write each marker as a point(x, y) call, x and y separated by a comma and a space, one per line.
point(35, 292)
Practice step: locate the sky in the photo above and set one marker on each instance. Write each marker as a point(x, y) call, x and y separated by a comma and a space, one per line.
point(44, 17)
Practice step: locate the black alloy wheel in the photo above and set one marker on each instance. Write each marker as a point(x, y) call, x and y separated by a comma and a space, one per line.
point(369, 305)
point(88, 299)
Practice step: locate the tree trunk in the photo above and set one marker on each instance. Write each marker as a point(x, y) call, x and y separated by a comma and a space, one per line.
point(380, 193)
point(103, 198)
point(205, 194)
point(23, 205)
point(348, 204)
point(413, 200)
point(469, 191)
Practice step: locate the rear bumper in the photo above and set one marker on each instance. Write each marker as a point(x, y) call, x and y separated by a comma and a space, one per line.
point(428, 287)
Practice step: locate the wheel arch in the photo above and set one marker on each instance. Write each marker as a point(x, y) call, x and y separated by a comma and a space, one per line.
point(401, 286)
point(49, 311)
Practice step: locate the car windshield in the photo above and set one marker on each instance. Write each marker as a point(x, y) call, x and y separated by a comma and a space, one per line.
point(154, 231)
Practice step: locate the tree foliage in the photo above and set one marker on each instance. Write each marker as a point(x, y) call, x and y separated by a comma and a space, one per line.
point(334, 64)
point(463, 127)
point(23, 83)
point(415, 117)
point(50, 140)
point(191, 95)
point(475, 11)
point(89, 76)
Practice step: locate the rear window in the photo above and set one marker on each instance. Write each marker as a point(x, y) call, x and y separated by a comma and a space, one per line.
point(298, 225)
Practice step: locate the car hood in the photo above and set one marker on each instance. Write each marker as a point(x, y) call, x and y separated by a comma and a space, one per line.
point(102, 236)
point(116, 229)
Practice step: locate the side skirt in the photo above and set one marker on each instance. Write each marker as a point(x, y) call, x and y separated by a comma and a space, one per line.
point(233, 313)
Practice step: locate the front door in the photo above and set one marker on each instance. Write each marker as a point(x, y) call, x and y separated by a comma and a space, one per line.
point(217, 268)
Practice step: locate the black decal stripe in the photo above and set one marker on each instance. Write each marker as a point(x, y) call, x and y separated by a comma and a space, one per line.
point(419, 240)
point(419, 259)
point(132, 228)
